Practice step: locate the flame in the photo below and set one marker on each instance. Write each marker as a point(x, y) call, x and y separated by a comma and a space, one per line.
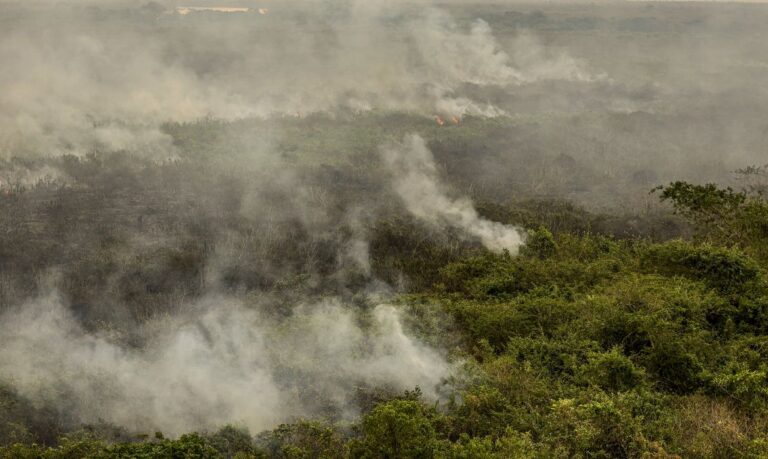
point(263, 11)
point(455, 120)
point(440, 121)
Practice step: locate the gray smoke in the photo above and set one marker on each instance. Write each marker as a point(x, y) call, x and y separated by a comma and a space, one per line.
point(227, 362)
point(416, 180)
point(77, 81)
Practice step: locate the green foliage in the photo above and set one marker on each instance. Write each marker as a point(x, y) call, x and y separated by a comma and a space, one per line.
point(231, 441)
point(674, 367)
point(743, 382)
point(706, 203)
point(728, 270)
point(582, 346)
point(612, 371)
point(70, 447)
point(596, 424)
point(534, 314)
point(397, 429)
point(740, 279)
point(723, 215)
point(304, 439)
point(569, 265)
point(485, 411)
point(190, 446)
point(512, 445)
point(587, 345)
point(540, 243)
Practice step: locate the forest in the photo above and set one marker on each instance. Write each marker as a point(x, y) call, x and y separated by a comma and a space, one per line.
point(494, 236)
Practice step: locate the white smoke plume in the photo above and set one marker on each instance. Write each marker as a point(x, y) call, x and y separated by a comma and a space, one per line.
point(456, 55)
point(227, 363)
point(416, 180)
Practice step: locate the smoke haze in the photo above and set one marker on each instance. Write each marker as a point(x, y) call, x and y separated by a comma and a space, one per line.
point(231, 202)
point(151, 69)
point(226, 363)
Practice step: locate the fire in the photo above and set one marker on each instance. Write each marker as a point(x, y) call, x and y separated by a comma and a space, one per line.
point(440, 120)
point(455, 120)
point(263, 11)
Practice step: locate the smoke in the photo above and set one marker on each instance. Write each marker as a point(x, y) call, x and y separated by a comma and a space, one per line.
point(415, 179)
point(253, 206)
point(14, 175)
point(78, 80)
point(455, 56)
point(225, 362)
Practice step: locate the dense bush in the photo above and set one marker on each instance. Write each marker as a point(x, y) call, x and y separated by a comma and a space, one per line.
point(191, 446)
point(397, 429)
point(727, 270)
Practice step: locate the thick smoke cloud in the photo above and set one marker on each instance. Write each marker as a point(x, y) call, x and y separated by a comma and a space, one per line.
point(82, 80)
point(225, 363)
point(416, 180)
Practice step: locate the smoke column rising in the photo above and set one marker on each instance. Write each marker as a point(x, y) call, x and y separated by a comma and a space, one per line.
point(416, 181)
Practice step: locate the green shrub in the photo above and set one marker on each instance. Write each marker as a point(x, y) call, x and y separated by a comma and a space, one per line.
point(557, 358)
point(484, 412)
point(535, 314)
point(231, 440)
point(310, 439)
point(493, 276)
point(638, 311)
point(600, 425)
point(23, 451)
point(540, 244)
point(397, 429)
point(729, 271)
point(189, 446)
point(674, 367)
point(611, 371)
point(746, 385)
point(511, 445)
point(722, 215)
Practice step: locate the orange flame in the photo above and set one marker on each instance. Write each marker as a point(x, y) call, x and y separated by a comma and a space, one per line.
point(456, 120)
point(440, 120)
